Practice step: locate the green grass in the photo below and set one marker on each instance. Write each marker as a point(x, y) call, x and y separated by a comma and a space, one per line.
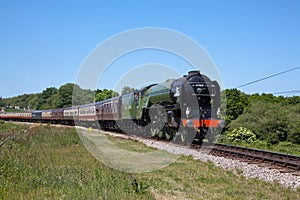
point(130, 145)
point(189, 179)
point(282, 147)
point(51, 163)
point(8, 128)
point(46, 162)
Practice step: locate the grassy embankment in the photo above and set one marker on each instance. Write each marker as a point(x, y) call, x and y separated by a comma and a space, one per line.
point(43, 162)
point(282, 147)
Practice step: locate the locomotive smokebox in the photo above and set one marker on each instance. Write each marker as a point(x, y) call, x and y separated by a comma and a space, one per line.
point(196, 72)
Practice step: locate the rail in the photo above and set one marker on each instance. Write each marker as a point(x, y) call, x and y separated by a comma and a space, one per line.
point(281, 160)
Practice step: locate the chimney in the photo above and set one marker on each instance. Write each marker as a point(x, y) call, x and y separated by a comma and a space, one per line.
point(196, 72)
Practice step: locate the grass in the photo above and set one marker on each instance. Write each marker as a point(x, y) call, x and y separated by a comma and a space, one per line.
point(282, 147)
point(9, 128)
point(130, 145)
point(189, 179)
point(51, 163)
point(47, 162)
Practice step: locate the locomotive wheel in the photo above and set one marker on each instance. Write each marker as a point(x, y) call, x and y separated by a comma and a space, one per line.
point(169, 133)
point(210, 134)
point(160, 134)
point(187, 135)
point(183, 138)
point(179, 138)
point(155, 129)
point(157, 115)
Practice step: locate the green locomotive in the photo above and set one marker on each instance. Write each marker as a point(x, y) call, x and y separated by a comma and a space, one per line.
point(187, 108)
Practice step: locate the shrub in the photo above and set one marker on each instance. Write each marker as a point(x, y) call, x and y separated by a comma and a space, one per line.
point(268, 121)
point(241, 134)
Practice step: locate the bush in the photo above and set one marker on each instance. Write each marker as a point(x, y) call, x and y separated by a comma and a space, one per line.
point(294, 124)
point(267, 120)
point(241, 134)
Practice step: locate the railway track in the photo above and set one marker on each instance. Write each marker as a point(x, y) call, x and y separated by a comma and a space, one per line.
point(282, 162)
point(285, 163)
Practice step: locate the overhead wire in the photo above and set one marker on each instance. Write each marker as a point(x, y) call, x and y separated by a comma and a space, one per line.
point(267, 77)
point(287, 92)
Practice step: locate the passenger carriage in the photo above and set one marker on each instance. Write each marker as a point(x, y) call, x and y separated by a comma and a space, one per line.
point(71, 115)
point(47, 116)
point(58, 115)
point(18, 116)
point(87, 114)
point(108, 113)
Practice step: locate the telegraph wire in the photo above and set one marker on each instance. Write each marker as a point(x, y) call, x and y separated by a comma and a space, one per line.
point(287, 92)
point(271, 76)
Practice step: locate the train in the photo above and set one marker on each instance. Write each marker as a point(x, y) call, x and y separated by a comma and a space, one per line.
point(185, 109)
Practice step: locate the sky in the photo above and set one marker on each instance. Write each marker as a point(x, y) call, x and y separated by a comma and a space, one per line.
point(46, 43)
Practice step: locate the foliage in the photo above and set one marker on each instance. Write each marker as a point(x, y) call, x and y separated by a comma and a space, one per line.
point(2, 104)
point(138, 187)
point(82, 96)
point(241, 134)
point(127, 89)
point(271, 118)
point(236, 102)
point(10, 128)
point(282, 147)
point(64, 98)
point(104, 94)
point(33, 103)
point(22, 100)
point(45, 101)
point(50, 98)
point(294, 124)
point(267, 120)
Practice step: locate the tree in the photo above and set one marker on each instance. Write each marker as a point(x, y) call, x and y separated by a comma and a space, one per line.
point(294, 124)
point(45, 101)
point(292, 100)
point(2, 104)
point(64, 98)
point(82, 96)
point(267, 120)
point(127, 89)
point(236, 102)
point(104, 94)
point(71, 94)
point(33, 102)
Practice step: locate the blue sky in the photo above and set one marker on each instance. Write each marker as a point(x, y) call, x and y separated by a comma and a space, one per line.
point(44, 43)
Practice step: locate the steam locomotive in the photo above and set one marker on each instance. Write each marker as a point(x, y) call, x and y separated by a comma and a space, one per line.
point(185, 109)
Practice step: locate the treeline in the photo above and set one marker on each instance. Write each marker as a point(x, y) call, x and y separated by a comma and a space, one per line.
point(65, 96)
point(265, 117)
